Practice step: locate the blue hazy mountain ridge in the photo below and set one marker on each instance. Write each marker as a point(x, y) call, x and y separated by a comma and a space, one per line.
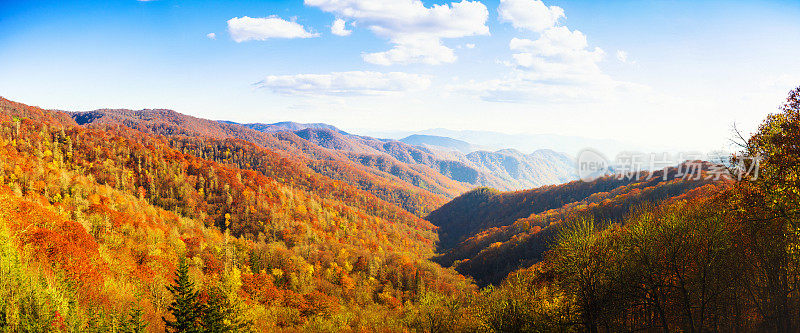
point(441, 142)
point(284, 126)
point(505, 169)
point(489, 140)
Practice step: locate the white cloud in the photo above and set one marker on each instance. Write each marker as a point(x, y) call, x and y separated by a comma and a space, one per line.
point(211, 35)
point(338, 28)
point(558, 66)
point(559, 55)
point(469, 46)
point(556, 41)
point(415, 30)
point(531, 15)
point(550, 73)
point(526, 87)
point(262, 28)
point(622, 56)
point(345, 83)
point(413, 49)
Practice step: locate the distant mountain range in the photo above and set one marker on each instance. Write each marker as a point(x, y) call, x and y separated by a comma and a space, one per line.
point(285, 126)
point(506, 169)
point(416, 177)
point(441, 142)
point(488, 140)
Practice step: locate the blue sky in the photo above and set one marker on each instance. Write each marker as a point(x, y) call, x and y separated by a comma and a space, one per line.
point(666, 73)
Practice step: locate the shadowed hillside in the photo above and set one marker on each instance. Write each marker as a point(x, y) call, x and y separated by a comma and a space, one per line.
point(487, 234)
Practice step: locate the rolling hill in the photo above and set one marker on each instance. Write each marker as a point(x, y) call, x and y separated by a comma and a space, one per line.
point(95, 218)
point(416, 190)
point(506, 169)
point(526, 143)
point(487, 234)
point(108, 225)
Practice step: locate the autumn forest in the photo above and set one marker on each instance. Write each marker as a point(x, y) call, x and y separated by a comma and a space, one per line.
point(408, 166)
point(146, 221)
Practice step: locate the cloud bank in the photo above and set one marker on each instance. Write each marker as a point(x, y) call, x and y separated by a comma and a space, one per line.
point(345, 83)
point(555, 64)
point(415, 31)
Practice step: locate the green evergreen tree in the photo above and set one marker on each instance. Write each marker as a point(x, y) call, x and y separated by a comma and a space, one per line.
point(214, 314)
point(186, 307)
point(135, 323)
point(3, 320)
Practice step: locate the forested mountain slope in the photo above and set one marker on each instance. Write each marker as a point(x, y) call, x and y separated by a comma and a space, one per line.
point(523, 171)
point(418, 191)
point(506, 169)
point(107, 228)
point(485, 208)
point(94, 220)
point(722, 257)
point(487, 234)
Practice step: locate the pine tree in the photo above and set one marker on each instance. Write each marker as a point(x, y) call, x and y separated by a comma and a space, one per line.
point(214, 314)
point(135, 322)
point(185, 307)
point(419, 286)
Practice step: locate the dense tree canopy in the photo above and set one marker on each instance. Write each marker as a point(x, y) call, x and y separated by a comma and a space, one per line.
point(111, 228)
